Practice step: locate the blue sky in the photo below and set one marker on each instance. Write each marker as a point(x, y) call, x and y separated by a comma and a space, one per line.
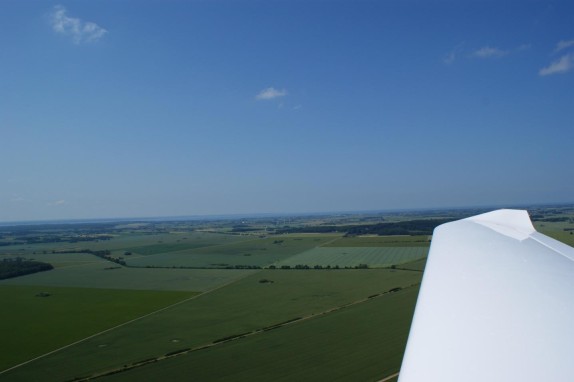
point(159, 108)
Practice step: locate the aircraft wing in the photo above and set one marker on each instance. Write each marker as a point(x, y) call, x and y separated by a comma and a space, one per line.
point(496, 304)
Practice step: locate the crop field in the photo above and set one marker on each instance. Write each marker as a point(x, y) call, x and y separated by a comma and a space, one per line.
point(374, 257)
point(180, 242)
point(40, 319)
point(245, 306)
point(253, 252)
point(381, 241)
point(364, 342)
point(104, 274)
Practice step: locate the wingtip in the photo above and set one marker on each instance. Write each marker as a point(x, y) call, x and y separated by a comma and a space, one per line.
point(513, 223)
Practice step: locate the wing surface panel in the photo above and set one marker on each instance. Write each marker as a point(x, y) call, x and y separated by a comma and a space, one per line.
point(496, 303)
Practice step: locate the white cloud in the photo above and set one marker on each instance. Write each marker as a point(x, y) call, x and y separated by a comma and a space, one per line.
point(80, 31)
point(17, 199)
point(270, 93)
point(487, 52)
point(562, 65)
point(563, 45)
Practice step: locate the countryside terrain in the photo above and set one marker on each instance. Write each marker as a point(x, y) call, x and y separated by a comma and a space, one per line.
point(307, 298)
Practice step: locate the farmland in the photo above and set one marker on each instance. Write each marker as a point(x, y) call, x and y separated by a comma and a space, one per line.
point(359, 343)
point(244, 306)
point(103, 275)
point(257, 252)
point(158, 300)
point(348, 257)
point(41, 319)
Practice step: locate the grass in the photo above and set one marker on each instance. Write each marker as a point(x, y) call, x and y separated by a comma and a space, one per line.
point(351, 257)
point(244, 306)
point(364, 342)
point(104, 274)
point(33, 325)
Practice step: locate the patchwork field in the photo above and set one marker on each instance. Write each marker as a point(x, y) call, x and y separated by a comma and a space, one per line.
point(177, 242)
point(104, 274)
point(374, 257)
point(258, 252)
point(138, 243)
point(381, 241)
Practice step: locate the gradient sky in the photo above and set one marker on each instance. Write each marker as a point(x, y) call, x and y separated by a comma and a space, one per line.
point(162, 108)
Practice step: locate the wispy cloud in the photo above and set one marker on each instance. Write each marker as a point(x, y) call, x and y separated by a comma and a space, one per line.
point(563, 65)
point(17, 199)
point(80, 31)
point(563, 45)
point(57, 203)
point(451, 56)
point(270, 93)
point(488, 52)
point(485, 52)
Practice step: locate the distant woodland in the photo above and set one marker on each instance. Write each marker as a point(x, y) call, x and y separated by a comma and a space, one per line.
point(410, 227)
point(18, 267)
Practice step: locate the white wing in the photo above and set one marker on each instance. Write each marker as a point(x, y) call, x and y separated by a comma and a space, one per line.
point(496, 304)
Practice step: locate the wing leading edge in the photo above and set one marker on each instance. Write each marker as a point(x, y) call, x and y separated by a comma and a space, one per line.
point(496, 303)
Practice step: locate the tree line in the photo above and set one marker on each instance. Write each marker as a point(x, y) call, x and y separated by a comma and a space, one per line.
point(407, 227)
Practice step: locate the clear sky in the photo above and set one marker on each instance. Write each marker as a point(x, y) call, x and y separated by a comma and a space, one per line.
point(162, 108)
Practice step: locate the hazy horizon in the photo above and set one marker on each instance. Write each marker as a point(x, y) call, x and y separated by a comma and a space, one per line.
point(254, 215)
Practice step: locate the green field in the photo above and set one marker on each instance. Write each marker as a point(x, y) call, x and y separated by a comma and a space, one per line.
point(561, 235)
point(417, 265)
point(364, 342)
point(181, 241)
point(104, 274)
point(374, 257)
point(33, 325)
point(244, 306)
point(143, 244)
point(381, 241)
point(253, 252)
